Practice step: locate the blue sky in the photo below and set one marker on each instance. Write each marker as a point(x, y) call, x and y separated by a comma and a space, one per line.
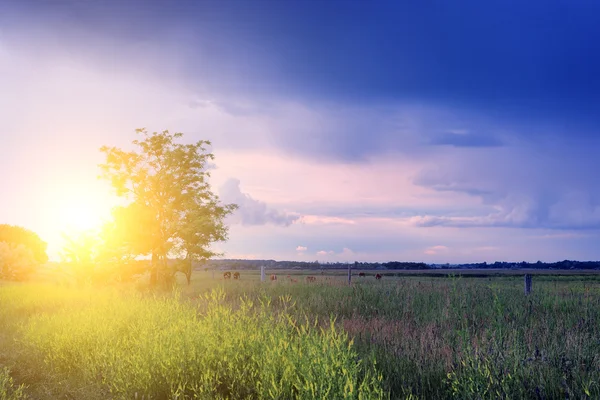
point(346, 130)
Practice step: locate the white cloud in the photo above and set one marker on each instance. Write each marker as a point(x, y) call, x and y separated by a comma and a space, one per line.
point(325, 220)
point(436, 250)
point(345, 255)
point(325, 253)
point(252, 211)
point(347, 252)
point(301, 248)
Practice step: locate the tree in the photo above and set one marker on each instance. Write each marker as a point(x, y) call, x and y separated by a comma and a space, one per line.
point(172, 210)
point(17, 262)
point(16, 235)
point(20, 251)
point(79, 253)
point(99, 256)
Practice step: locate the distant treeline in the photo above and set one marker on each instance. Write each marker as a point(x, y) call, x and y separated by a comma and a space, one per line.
point(398, 265)
point(566, 264)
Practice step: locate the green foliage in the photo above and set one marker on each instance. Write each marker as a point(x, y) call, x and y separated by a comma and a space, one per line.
point(79, 254)
point(17, 262)
point(8, 389)
point(99, 256)
point(409, 337)
point(478, 330)
point(480, 376)
point(172, 209)
point(128, 346)
point(17, 235)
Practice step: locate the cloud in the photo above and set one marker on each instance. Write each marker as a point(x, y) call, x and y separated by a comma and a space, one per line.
point(325, 253)
point(345, 255)
point(441, 180)
point(485, 248)
point(534, 185)
point(565, 235)
point(466, 140)
point(347, 252)
point(517, 216)
point(252, 211)
point(301, 249)
point(435, 250)
point(325, 220)
point(370, 175)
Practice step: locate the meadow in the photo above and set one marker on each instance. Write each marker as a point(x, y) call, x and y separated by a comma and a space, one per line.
point(430, 337)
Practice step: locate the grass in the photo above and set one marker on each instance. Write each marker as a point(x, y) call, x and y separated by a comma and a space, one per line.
point(101, 343)
point(462, 337)
point(8, 389)
point(406, 337)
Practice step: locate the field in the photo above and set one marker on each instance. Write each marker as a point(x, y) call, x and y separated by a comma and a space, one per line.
point(405, 336)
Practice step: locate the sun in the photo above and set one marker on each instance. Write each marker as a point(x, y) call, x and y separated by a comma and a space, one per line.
point(75, 209)
point(80, 216)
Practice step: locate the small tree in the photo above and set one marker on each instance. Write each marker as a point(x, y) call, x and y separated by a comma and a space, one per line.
point(172, 209)
point(16, 235)
point(21, 250)
point(79, 253)
point(98, 256)
point(17, 262)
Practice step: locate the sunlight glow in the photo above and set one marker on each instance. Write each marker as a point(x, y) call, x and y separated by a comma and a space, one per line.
point(79, 216)
point(73, 209)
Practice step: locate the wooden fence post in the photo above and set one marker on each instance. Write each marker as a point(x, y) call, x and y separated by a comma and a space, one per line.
point(527, 284)
point(349, 274)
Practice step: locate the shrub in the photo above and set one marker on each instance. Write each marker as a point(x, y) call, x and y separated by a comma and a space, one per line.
point(17, 262)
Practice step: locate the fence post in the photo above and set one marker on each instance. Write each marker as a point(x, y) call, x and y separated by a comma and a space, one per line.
point(262, 273)
point(349, 274)
point(527, 284)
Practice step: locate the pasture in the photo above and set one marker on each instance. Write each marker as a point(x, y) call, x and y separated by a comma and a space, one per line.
point(404, 336)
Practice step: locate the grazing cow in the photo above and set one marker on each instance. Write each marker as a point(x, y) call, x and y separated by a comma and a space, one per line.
point(311, 279)
point(227, 275)
point(378, 276)
point(273, 277)
point(362, 274)
point(294, 280)
point(236, 275)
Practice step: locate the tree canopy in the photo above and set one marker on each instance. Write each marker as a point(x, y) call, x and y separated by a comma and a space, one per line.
point(17, 235)
point(20, 251)
point(172, 210)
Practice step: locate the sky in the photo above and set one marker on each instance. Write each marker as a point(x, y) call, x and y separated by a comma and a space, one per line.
point(428, 131)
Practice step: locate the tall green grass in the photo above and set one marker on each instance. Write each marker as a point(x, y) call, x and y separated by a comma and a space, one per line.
point(132, 346)
point(8, 389)
point(430, 338)
point(474, 338)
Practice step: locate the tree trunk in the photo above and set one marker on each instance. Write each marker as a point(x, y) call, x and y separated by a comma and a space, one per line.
point(188, 268)
point(154, 269)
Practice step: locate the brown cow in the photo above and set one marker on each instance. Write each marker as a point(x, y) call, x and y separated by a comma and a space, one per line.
point(378, 276)
point(236, 275)
point(273, 277)
point(227, 275)
point(362, 274)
